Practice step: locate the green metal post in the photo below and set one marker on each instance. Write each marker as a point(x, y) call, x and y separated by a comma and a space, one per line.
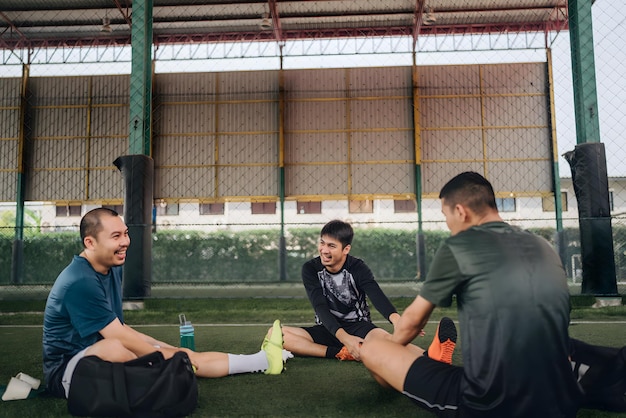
point(417, 141)
point(282, 267)
point(17, 261)
point(560, 238)
point(583, 71)
point(137, 168)
point(588, 161)
point(141, 79)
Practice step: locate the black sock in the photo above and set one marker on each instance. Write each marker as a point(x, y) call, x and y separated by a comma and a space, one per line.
point(331, 352)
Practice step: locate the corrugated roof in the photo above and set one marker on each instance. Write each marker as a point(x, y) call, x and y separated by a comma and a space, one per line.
point(46, 23)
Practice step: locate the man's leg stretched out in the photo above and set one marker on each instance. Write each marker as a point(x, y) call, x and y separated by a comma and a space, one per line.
point(389, 362)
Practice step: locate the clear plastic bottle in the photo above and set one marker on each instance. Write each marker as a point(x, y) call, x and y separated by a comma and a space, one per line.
point(187, 339)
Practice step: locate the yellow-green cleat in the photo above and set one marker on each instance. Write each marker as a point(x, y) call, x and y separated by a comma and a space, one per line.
point(273, 347)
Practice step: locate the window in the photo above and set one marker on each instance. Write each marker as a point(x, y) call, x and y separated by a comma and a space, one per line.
point(506, 204)
point(118, 208)
point(547, 203)
point(263, 208)
point(211, 208)
point(309, 207)
point(68, 210)
point(405, 206)
point(361, 206)
point(164, 208)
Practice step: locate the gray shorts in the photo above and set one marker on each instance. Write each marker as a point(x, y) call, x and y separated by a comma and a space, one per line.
point(69, 370)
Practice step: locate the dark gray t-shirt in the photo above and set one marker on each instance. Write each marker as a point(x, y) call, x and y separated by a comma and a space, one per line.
point(513, 303)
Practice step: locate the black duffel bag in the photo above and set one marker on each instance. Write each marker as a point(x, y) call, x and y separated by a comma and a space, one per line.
point(149, 386)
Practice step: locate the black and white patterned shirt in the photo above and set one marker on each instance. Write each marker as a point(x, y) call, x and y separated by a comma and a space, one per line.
point(341, 297)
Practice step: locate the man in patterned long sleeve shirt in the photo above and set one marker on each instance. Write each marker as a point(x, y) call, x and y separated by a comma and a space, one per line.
point(337, 285)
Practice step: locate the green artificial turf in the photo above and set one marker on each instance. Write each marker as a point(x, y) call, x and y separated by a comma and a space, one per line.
point(308, 388)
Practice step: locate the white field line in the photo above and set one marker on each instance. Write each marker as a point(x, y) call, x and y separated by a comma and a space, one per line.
point(304, 324)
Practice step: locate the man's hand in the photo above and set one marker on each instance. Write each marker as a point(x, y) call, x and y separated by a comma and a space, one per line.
point(351, 342)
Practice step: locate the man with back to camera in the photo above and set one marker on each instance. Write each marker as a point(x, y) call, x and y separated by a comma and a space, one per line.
point(337, 284)
point(513, 303)
point(83, 315)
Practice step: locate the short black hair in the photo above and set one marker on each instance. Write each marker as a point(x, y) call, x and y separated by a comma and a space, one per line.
point(90, 225)
point(339, 230)
point(469, 189)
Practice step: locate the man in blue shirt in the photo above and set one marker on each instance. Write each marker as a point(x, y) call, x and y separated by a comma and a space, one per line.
point(83, 315)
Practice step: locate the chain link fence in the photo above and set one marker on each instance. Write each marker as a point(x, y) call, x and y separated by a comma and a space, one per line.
point(248, 156)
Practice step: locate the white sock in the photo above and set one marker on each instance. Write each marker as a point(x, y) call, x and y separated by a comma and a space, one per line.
point(247, 363)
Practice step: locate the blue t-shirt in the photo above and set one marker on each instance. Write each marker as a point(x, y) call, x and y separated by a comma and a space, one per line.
point(81, 303)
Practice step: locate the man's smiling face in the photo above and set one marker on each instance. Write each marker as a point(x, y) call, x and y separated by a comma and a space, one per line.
point(332, 254)
point(108, 247)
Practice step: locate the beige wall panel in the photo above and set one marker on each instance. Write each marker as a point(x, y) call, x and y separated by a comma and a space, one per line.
point(326, 83)
point(184, 87)
point(59, 91)
point(448, 80)
point(525, 78)
point(248, 117)
point(516, 111)
point(110, 121)
point(316, 147)
point(184, 118)
point(7, 182)
point(316, 180)
point(59, 153)
point(380, 82)
point(110, 89)
point(450, 112)
point(189, 183)
point(454, 144)
point(59, 122)
point(9, 123)
point(53, 185)
point(248, 85)
point(435, 175)
point(379, 114)
point(103, 151)
point(8, 149)
point(106, 184)
point(520, 176)
point(184, 150)
point(8, 154)
point(518, 143)
point(248, 181)
point(382, 146)
point(318, 115)
point(248, 149)
point(10, 93)
point(382, 178)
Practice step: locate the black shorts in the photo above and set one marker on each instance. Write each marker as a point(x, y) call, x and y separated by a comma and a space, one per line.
point(435, 386)
point(322, 336)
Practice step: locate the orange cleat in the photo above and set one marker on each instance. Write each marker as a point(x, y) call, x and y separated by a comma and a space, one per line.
point(443, 344)
point(344, 354)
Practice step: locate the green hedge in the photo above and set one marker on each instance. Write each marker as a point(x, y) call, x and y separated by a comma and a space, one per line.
point(45, 256)
point(253, 256)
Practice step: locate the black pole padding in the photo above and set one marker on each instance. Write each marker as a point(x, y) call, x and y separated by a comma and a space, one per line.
point(591, 186)
point(138, 174)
